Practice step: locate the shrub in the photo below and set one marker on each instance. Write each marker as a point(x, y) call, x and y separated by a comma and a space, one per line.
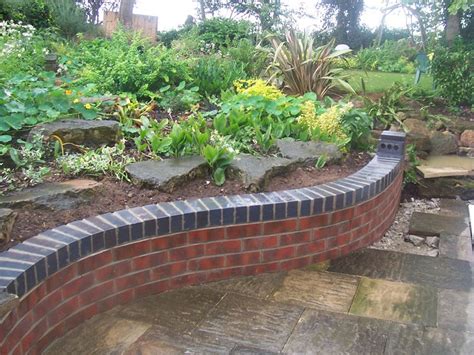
point(257, 87)
point(253, 59)
point(214, 74)
point(305, 69)
point(392, 56)
point(129, 63)
point(68, 17)
point(453, 74)
point(30, 12)
point(222, 32)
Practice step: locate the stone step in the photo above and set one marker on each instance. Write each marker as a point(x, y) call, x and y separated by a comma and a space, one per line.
point(456, 247)
point(446, 166)
point(430, 224)
point(453, 208)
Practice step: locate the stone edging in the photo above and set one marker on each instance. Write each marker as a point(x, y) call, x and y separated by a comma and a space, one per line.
point(195, 240)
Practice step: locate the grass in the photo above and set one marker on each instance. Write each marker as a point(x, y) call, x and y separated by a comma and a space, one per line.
point(379, 81)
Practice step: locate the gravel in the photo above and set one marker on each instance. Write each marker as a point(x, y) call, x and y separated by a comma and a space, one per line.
point(397, 237)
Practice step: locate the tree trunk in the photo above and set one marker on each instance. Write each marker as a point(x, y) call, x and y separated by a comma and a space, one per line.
point(453, 28)
point(126, 13)
point(202, 10)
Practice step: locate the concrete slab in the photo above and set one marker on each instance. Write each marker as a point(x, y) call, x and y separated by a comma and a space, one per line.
point(331, 333)
point(456, 310)
point(453, 208)
point(103, 334)
point(251, 322)
point(395, 301)
point(261, 286)
point(433, 224)
point(320, 290)
point(180, 310)
point(445, 166)
point(372, 263)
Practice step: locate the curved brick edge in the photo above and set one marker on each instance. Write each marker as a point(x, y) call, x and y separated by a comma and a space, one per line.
point(68, 274)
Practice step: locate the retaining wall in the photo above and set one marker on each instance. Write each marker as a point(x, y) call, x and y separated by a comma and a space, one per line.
point(54, 281)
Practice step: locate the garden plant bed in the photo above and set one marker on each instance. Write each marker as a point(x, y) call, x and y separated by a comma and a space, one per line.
point(114, 195)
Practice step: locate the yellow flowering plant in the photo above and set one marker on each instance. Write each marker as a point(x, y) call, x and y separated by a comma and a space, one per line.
point(257, 87)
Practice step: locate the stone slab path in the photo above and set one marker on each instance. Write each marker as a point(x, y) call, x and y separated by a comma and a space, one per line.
point(370, 302)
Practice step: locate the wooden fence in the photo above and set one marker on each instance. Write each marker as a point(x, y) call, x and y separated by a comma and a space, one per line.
point(147, 25)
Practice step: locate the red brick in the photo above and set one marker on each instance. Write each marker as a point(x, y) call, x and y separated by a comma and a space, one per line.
point(31, 300)
point(61, 277)
point(96, 293)
point(187, 280)
point(150, 260)
point(123, 297)
point(278, 254)
point(246, 231)
point(314, 222)
point(243, 259)
point(80, 317)
point(132, 280)
point(260, 243)
point(78, 285)
point(343, 215)
point(186, 253)
point(169, 270)
point(262, 268)
point(206, 235)
point(216, 275)
point(112, 271)
point(295, 238)
point(94, 262)
point(276, 227)
point(49, 337)
point(47, 304)
point(130, 250)
point(152, 288)
point(224, 247)
point(60, 313)
point(311, 248)
point(18, 331)
point(207, 263)
point(169, 241)
point(296, 263)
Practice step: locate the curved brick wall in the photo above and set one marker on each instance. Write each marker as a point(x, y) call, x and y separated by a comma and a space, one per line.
point(56, 280)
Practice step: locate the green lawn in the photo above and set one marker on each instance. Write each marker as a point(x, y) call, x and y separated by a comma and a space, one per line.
point(379, 81)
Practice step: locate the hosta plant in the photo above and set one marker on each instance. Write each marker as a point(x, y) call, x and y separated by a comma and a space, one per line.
point(304, 68)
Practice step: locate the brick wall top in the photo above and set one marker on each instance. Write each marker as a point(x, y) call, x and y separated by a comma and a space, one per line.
point(26, 265)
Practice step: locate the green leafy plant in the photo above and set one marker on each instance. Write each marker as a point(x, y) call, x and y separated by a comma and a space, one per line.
point(411, 176)
point(219, 155)
point(109, 161)
point(304, 69)
point(321, 162)
point(179, 98)
point(358, 124)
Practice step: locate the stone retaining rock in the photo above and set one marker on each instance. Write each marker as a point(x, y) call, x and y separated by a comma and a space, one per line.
point(467, 138)
point(167, 174)
point(54, 196)
point(256, 172)
point(81, 132)
point(307, 152)
point(7, 220)
point(443, 143)
point(418, 134)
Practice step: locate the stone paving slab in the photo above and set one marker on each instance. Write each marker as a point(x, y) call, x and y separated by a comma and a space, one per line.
point(453, 208)
point(251, 322)
point(180, 310)
point(437, 272)
point(260, 286)
point(455, 247)
point(456, 310)
point(433, 224)
point(103, 334)
point(395, 301)
point(373, 263)
point(320, 290)
point(332, 333)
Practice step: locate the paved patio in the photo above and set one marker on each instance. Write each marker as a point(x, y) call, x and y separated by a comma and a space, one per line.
point(371, 302)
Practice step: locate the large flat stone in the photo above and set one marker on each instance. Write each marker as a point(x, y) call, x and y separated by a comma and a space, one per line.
point(433, 224)
point(7, 220)
point(307, 152)
point(103, 334)
point(446, 166)
point(320, 290)
point(395, 301)
point(251, 322)
point(373, 263)
point(81, 132)
point(455, 247)
point(166, 175)
point(319, 332)
point(453, 208)
point(437, 272)
point(255, 172)
point(180, 311)
point(55, 196)
point(456, 310)
point(260, 286)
